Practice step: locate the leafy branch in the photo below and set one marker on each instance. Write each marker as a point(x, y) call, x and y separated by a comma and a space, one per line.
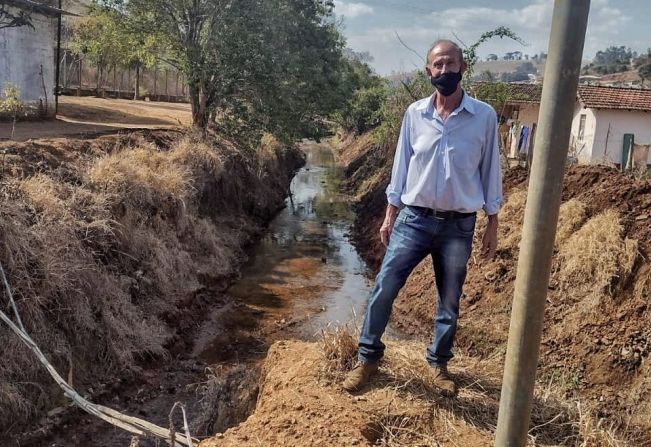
point(470, 52)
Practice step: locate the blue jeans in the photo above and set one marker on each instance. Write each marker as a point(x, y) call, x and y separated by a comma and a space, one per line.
point(414, 236)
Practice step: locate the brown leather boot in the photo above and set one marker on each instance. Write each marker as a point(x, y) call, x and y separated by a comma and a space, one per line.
point(442, 379)
point(359, 376)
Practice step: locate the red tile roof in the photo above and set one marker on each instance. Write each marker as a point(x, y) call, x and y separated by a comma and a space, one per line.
point(592, 96)
point(602, 97)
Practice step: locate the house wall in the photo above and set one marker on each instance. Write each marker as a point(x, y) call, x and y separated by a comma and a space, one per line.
point(621, 122)
point(583, 149)
point(22, 51)
point(528, 114)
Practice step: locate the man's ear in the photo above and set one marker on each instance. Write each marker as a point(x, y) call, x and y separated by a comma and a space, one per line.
point(428, 71)
point(462, 70)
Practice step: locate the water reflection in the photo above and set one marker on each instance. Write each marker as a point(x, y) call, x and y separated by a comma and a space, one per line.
point(305, 265)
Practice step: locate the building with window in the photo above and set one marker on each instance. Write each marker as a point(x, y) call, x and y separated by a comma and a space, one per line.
point(606, 123)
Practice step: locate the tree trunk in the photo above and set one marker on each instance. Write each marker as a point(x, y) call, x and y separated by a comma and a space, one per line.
point(115, 80)
point(98, 92)
point(199, 109)
point(155, 82)
point(136, 94)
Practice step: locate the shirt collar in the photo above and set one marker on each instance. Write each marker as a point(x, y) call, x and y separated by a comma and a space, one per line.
point(466, 103)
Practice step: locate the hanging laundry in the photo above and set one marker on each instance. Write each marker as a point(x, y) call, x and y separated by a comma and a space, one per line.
point(515, 131)
point(522, 143)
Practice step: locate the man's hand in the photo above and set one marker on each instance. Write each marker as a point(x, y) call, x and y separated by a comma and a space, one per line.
point(489, 240)
point(387, 225)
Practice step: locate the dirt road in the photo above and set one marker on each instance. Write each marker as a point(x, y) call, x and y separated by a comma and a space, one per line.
point(89, 116)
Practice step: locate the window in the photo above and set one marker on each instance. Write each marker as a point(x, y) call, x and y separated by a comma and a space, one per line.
point(581, 127)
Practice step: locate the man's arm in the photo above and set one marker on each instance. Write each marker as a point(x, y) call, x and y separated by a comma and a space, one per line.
point(398, 179)
point(491, 179)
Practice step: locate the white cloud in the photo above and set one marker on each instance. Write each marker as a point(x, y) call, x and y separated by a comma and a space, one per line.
point(351, 10)
point(531, 22)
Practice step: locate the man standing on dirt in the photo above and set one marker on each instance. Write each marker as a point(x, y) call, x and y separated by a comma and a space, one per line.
point(446, 168)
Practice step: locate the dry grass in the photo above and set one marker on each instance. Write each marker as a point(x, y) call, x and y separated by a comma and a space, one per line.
point(597, 255)
point(512, 212)
point(339, 347)
point(417, 415)
point(572, 215)
point(100, 252)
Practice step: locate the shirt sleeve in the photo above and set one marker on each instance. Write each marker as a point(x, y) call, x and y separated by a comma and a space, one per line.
point(490, 171)
point(400, 164)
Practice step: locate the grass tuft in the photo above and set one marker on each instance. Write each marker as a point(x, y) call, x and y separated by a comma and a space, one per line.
point(597, 255)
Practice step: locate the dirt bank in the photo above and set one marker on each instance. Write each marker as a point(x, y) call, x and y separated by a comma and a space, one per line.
point(596, 340)
point(116, 247)
point(301, 403)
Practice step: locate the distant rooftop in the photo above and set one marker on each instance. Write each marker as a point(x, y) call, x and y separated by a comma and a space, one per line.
point(590, 96)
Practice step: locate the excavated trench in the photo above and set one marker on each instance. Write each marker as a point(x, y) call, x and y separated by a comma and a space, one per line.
point(301, 277)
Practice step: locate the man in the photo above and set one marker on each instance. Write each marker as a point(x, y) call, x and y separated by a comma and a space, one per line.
point(446, 168)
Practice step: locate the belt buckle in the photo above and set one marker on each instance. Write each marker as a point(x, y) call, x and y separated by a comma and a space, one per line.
point(436, 215)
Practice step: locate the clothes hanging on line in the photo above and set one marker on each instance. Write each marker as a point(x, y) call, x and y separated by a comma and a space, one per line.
point(515, 132)
point(523, 141)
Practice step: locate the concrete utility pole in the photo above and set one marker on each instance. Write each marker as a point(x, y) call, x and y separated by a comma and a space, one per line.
point(540, 218)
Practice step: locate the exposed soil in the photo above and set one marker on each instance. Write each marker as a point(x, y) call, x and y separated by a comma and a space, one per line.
point(596, 343)
point(118, 248)
point(89, 117)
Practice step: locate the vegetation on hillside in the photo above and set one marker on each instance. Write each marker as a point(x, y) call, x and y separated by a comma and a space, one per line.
point(643, 65)
point(611, 60)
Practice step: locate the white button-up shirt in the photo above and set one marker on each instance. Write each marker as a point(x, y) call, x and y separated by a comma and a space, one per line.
point(451, 165)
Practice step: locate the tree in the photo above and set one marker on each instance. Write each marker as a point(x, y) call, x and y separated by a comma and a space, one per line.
point(365, 94)
point(613, 59)
point(99, 38)
point(251, 65)
point(645, 72)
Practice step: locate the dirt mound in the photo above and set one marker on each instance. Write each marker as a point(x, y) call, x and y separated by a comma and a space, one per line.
point(596, 338)
point(301, 403)
point(115, 245)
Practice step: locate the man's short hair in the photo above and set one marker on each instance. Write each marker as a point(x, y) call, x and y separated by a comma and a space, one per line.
point(446, 41)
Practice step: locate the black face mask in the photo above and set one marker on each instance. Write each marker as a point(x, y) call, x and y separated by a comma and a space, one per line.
point(446, 83)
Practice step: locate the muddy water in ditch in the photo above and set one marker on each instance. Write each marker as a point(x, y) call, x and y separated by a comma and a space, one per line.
point(303, 276)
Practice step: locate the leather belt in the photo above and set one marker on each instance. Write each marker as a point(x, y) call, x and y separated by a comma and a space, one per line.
point(440, 214)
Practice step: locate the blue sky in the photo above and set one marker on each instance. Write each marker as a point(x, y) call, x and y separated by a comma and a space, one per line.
point(371, 25)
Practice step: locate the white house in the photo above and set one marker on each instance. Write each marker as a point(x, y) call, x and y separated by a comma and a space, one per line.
point(606, 119)
point(27, 54)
